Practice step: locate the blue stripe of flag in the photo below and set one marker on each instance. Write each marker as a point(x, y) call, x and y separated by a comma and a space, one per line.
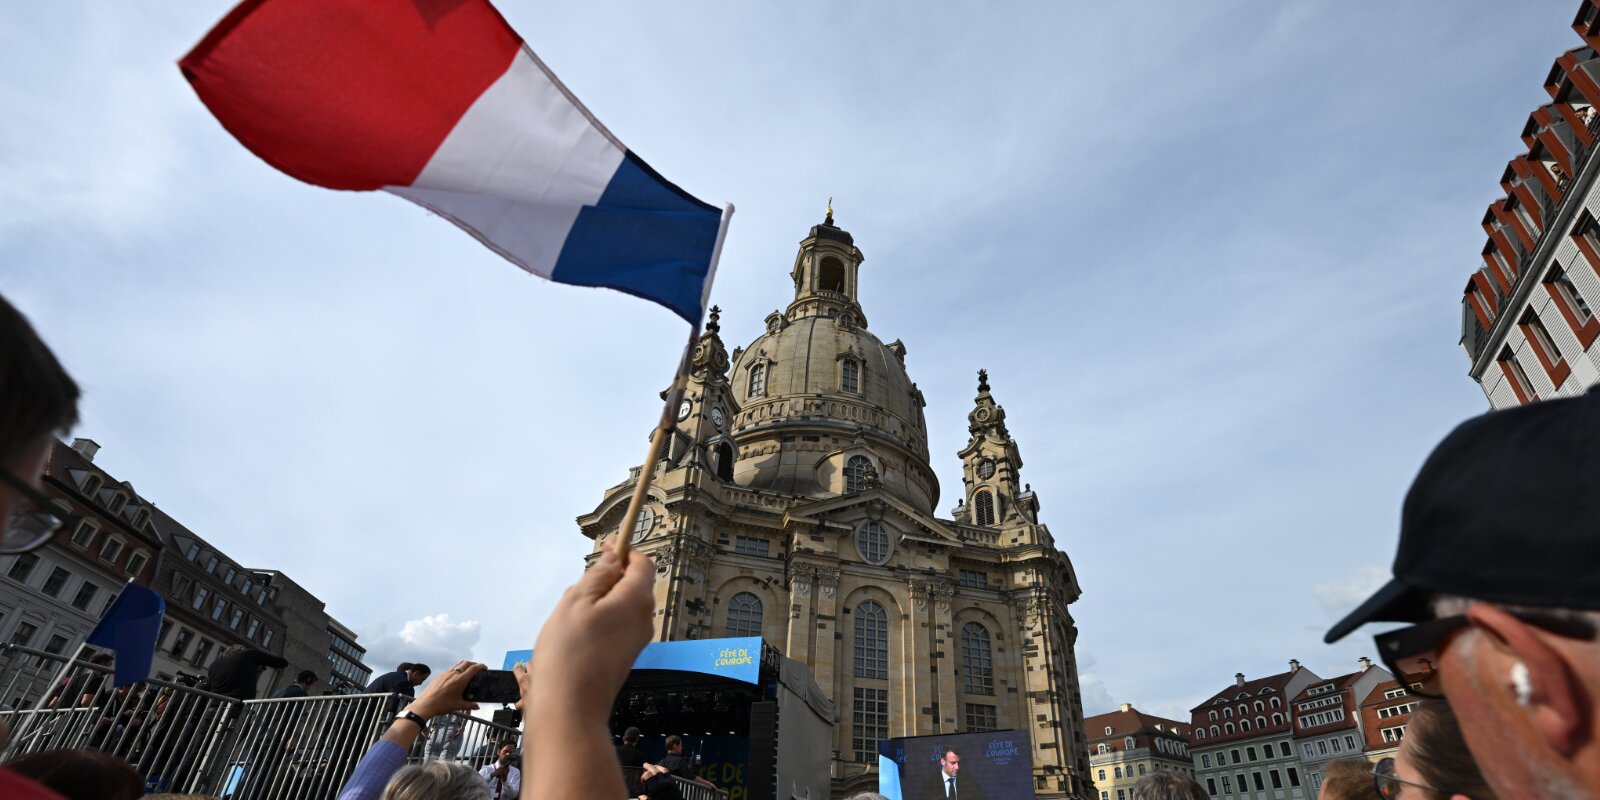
point(645, 237)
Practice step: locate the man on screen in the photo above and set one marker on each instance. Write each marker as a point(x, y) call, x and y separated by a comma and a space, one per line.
point(949, 785)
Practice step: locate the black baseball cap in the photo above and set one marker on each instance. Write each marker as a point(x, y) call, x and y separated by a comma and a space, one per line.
point(1506, 510)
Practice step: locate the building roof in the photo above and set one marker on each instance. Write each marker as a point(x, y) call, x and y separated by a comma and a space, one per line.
point(1243, 689)
point(1128, 721)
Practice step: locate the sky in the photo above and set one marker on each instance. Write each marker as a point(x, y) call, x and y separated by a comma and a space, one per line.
point(1210, 253)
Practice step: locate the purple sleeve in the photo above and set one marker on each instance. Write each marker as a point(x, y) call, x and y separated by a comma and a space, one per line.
point(380, 763)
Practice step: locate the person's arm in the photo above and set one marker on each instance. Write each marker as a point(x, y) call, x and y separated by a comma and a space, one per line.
point(263, 658)
point(388, 754)
point(601, 623)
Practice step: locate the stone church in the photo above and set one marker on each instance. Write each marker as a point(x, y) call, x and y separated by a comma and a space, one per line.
point(796, 502)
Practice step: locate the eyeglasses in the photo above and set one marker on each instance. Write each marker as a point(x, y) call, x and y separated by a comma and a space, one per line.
point(1412, 653)
point(1389, 786)
point(27, 528)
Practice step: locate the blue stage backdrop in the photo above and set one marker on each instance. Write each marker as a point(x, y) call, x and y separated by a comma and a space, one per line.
point(739, 659)
point(994, 765)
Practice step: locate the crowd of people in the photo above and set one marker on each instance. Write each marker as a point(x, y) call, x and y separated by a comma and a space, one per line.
point(1497, 579)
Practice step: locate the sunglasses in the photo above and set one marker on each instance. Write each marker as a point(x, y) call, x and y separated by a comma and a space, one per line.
point(1412, 653)
point(1389, 786)
point(28, 528)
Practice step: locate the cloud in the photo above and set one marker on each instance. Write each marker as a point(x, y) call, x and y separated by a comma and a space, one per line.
point(1097, 698)
point(433, 640)
point(1340, 597)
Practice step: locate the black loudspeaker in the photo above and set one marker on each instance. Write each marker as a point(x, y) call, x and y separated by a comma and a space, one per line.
point(761, 776)
point(509, 717)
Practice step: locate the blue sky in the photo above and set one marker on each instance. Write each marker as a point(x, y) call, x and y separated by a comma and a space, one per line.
point(1211, 254)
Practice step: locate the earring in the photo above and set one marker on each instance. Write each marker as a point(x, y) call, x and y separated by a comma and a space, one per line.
point(1522, 684)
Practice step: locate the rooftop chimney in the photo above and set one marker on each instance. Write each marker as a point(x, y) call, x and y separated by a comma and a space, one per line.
point(86, 447)
point(1238, 679)
point(1366, 663)
point(1294, 664)
point(1127, 707)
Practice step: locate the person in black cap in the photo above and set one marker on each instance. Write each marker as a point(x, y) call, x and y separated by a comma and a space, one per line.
point(1498, 574)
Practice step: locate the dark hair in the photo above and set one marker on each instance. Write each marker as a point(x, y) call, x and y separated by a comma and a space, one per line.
point(673, 739)
point(948, 750)
point(1438, 752)
point(37, 396)
point(1164, 784)
point(82, 774)
point(306, 676)
point(631, 734)
point(1348, 779)
point(422, 668)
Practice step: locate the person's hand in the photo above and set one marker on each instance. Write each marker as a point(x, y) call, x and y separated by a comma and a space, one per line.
point(590, 641)
point(443, 695)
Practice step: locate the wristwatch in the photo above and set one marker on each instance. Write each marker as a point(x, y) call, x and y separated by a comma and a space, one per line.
point(412, 716)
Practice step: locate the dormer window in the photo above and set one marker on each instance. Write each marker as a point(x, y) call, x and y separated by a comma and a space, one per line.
point(118, 500)
point(850, 376)
point(193, 553)
point(855, 473)
point(91, 484)
point(758, 380)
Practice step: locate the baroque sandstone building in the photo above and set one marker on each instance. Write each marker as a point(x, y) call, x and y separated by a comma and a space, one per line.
point(796, 502)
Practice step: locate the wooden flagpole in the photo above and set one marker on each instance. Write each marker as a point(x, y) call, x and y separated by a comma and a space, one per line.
point(669, 412)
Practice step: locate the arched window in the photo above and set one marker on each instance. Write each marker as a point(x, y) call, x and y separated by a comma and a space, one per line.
point(1258, 705)
point(758, 380)
point(1277, 719)
point(1261, 722)
point(1199, 733)
point(850, 375)
point(1127, 742)
point(1228, 712)
point(1102, 749)
point(641, 526)
point(872, 543)
point(1213, 716)
point(983, 508)
point(977, 661)
point(830, 278)
point(872, 641)
point(1102, 775)
point(1227, 727)
point(1214, 731)
point(855, 473)
point(1274, 702)
point(1117, 772)
point(744, 615)
point(1244, 724)
point(724, 461)
point(1244, 710)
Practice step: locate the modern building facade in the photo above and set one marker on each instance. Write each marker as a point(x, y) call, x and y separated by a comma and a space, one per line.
point(1384, 714)
point(1127, 744)
point(1528, 315)
point(1327, 719)
point(350, 673)
point(1243, 739)
point(52, 597)
point(796, 502)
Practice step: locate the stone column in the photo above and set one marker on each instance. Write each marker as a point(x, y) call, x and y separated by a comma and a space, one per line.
point(947, 644)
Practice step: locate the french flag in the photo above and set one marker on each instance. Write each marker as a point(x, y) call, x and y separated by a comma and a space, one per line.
point(441, 102)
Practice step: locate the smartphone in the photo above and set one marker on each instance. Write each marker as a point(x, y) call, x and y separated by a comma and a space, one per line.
point(493, 686)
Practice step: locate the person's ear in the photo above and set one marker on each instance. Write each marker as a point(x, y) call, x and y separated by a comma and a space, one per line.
point(1537, 677)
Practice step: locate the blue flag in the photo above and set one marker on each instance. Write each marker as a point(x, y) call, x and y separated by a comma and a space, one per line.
point(129, 628)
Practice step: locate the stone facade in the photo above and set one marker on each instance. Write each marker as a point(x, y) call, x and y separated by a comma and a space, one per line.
point(796, 501)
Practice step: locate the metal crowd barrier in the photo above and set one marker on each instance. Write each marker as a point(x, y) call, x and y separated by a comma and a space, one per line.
point(183, 739)
point(687, 789)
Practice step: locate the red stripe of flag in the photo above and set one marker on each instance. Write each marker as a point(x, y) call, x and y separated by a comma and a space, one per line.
point(349, 94)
